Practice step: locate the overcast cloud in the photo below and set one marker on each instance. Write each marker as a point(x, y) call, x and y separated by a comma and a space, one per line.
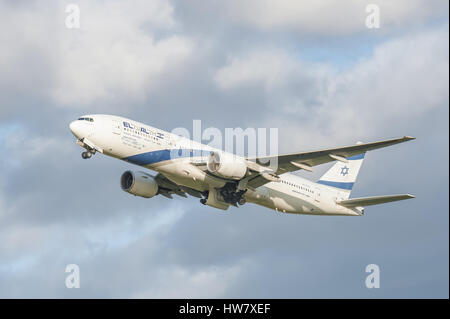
point(311, 68)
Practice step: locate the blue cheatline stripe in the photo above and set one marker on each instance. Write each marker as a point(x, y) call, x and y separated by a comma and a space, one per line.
point(347, 186)
point(356, 157)
point(164, 155)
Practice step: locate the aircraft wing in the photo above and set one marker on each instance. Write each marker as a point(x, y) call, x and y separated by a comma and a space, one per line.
point(307, 160)
point(374, 200)
point(166, 188)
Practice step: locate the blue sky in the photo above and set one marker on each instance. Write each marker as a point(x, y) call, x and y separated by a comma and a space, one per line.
point(312, 70)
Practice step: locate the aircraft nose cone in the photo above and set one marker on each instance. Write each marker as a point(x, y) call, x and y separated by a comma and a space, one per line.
point(75, 128)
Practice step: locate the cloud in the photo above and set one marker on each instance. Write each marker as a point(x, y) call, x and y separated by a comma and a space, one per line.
point(266, 68)
point(23, 147)
point(179, 282)
point(118, 56)
point(404, 78)
point(328, 17)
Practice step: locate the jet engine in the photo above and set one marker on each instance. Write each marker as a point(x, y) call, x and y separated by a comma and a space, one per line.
point(139, 184)
point(226, 165)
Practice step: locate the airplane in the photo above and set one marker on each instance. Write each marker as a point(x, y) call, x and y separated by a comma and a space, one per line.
point(220, 179)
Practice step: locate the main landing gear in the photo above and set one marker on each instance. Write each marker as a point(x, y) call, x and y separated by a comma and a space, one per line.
point(228, 194)
point(232, 195)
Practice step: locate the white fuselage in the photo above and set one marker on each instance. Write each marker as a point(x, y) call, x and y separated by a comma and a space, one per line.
point(157, 150)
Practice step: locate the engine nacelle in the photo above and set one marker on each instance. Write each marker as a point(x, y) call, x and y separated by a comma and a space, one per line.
point(226, 165)
point(214, 199)
point(139, 184)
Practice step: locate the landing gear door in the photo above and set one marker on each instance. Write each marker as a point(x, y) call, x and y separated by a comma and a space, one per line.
point(116, 128)
point(317, 194)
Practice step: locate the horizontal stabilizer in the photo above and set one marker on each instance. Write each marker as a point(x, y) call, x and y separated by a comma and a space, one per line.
point(373, 200)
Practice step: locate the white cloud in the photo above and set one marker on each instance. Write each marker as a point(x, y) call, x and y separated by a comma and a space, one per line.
point(404, 78)
point(23, 147)
point(120, 52)
point(22, 244)
point(329, 17)
point(118, 55)
point(18, 241)
point(179, 282)
point(25, 249)
point(269, 68)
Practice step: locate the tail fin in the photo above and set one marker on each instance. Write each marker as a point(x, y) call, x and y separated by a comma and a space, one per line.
point(342, 175)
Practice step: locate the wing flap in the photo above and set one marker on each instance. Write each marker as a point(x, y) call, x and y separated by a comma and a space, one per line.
point(167, 188)
point(373, 200)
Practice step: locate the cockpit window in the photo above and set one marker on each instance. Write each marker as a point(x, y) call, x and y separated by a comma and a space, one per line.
point(86, 119)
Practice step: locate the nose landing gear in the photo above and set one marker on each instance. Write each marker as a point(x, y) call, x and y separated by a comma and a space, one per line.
point(88, 146)
point(86, 155)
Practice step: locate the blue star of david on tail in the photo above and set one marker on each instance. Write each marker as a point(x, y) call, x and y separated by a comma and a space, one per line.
point(344, 170)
